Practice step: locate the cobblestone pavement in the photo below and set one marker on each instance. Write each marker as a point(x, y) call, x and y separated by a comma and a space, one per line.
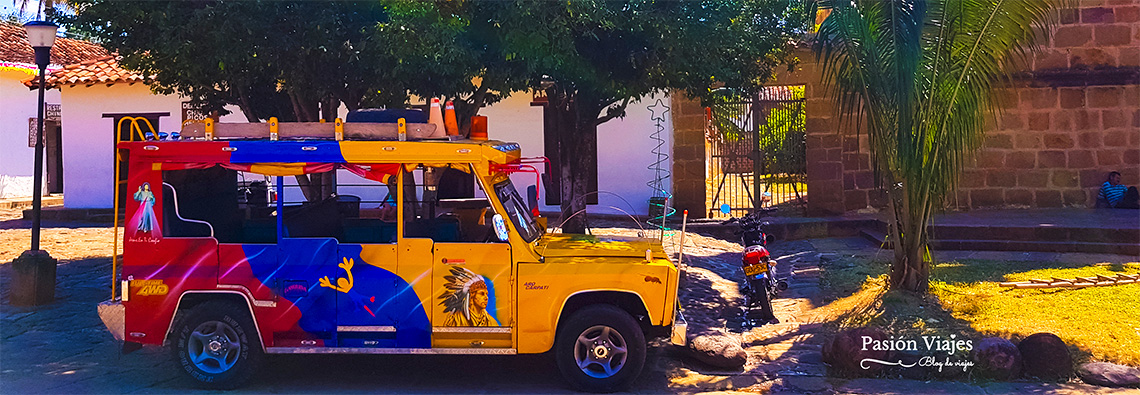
point(63, 347)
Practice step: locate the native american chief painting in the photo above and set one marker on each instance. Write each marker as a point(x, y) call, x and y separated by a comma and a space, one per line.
point(465, 299)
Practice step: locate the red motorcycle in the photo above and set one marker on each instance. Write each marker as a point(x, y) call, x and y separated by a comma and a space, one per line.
point(760, 283)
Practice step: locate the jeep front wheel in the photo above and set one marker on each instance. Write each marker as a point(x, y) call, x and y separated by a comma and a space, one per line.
point(215, 344)
point(600, 349)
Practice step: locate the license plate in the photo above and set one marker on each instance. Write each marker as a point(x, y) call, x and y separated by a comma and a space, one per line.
point(755, 269)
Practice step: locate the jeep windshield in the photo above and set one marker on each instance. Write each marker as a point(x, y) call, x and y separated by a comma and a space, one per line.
point(517, 212)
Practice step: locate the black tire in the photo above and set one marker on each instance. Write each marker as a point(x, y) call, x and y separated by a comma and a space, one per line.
point(761, 298)
point(216, 345)
point(597, 362)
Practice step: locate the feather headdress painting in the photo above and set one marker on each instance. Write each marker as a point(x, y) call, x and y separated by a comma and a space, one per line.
point(465, 299)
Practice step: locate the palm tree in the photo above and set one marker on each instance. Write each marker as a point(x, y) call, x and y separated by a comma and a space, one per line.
point(919, 77)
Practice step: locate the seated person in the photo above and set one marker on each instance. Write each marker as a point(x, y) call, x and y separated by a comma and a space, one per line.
point(1114, 195)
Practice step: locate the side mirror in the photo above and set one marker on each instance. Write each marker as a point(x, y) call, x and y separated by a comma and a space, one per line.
point(532, 199)
point(500, 226)
point(769, 238)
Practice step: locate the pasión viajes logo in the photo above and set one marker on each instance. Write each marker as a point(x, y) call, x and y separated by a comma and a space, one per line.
point(931, 345)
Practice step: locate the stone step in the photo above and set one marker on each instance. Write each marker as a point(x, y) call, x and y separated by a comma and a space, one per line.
point(1046, 245)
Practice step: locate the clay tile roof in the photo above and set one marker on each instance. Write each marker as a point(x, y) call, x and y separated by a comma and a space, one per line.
point(14, 48)
point(105, 70)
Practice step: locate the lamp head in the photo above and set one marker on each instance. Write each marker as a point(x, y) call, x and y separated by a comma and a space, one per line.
point(41, 36)
point(41, 33)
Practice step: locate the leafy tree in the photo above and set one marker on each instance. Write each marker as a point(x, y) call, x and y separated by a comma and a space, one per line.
point(297, 61)
point(921, 75)
point(594, 57)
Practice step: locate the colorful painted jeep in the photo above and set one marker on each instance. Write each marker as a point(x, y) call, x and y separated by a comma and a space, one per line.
point(406, 255)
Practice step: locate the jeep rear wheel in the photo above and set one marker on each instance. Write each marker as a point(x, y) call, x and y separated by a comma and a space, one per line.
point(216, 346)
point(600, 349)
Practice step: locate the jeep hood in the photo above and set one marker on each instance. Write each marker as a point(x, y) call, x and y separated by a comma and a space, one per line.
point(577, 245)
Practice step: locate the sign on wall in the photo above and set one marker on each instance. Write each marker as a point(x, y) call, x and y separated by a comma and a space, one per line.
point(51, 114)
point(194, 113)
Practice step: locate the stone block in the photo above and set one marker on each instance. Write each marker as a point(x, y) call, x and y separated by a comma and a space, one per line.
point(972, 179)
point(1127, 14)
point(1047, 198)
point(1033, 179)
point(1001, 179)
point(1091, 58)
point(1113, 119)
point(1062, 121)
point(851, 144)
point(1040, 98)
point(991, 159)
point(824, 171)
point(998, 141)
point(848, 181)
point(834, 155)
point(1128, 57)
point(1021, 160)
point(1072, 97)
point(1081, 159)
point(1104, 97)
point(1097, 15)
point(1022, 197)
point(1070, 16)
point(851, 161)
point(1039, 120)
point(1112, 35)
point(1027, 141)
point(1074, 197)
point(1072, 36)
point(1132, 157)
point(1050, 159)
point(831, 140)
point(1086, 120)
point(855, 200)
point(820, 124)
point(1092, 178)
point(1089, 140)
point(864, 180)
point(1065, 179)
point(1107, 157)
point(33, 279)
point(1012, 120)
point(988, 197)
point(1050, 59)
point(1058, 140)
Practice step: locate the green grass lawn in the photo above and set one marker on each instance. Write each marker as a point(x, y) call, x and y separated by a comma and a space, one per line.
point(1099, 323)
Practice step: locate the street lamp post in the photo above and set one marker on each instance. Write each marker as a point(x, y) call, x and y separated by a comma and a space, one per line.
point(41, 36)
point(33, 280)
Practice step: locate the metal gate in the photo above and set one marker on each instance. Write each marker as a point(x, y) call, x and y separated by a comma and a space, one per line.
point(755, 152)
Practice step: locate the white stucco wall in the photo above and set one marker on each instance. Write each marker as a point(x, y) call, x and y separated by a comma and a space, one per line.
point(624, 150)
point(624, 146)
point(89, 139)
point(17, 104)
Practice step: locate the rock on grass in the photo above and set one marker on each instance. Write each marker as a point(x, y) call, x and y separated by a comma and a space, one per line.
point(997, 358)
point(845, 352)
point(1109, 374)
point(1046, 357)
point(718, 350)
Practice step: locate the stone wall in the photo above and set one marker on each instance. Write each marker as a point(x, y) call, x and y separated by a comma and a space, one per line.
point(1069, 119)
point(689, 181)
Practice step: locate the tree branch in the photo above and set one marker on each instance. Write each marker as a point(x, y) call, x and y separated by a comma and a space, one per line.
point(613, 112)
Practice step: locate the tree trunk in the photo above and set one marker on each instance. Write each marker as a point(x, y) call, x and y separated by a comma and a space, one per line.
point(576, 118)
point(910, 270)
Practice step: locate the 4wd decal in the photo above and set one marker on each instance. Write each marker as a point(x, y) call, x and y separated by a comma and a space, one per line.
point(150, 287)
